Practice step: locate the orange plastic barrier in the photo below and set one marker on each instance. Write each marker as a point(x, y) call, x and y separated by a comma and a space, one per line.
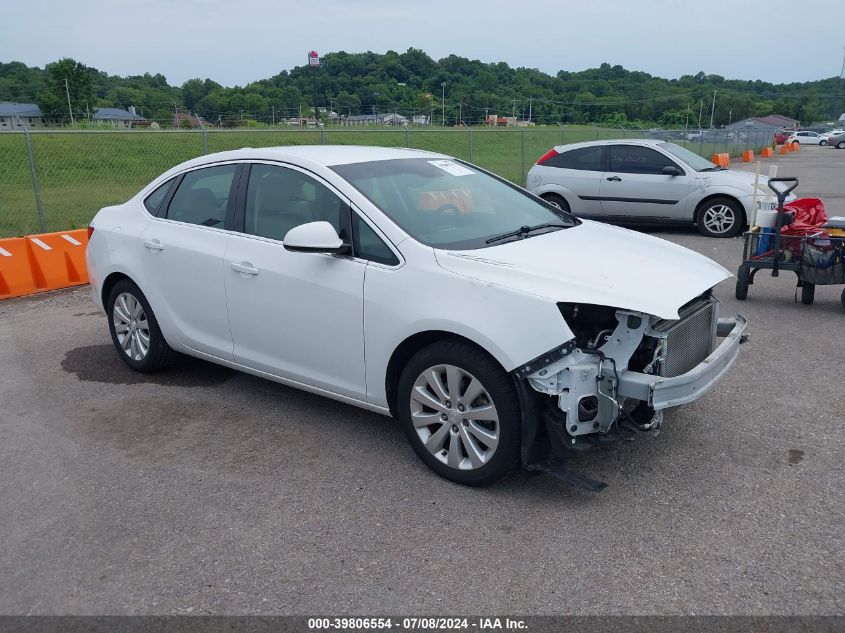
point(42, 262)
point(723, 160)
point(747, 156)
point(767, 152)
point(785, 149)
point(15, 268)
point(796, 147)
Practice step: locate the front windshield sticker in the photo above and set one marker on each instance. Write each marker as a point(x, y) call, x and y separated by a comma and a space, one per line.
point(452, 167)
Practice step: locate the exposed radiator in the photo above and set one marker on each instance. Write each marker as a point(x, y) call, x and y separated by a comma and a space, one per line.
point(689, 340)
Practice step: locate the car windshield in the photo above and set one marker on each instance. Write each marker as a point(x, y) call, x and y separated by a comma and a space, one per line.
point(690, 158)
point(446, 203)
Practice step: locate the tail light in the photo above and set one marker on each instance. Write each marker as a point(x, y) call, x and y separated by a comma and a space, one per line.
point(551, 153)
point(90, 231)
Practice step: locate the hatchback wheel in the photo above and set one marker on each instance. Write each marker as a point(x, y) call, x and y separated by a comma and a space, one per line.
point(840, 145)
point(134, 329)
point(460, 412)
point(823, 143)
point(556, 201)
point(720, 217)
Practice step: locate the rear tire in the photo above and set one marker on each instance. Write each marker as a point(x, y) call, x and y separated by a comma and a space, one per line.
point(840, 145)
point(742, 276)
point(808, 293)
point(134, 329)
point(439, 389)
point(822, 143)
point(557, 201)
point(720, 217)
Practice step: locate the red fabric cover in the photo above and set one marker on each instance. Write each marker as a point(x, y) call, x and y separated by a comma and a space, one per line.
point(809, 216)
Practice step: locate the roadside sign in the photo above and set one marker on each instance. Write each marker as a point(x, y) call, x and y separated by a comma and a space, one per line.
point(313, 58)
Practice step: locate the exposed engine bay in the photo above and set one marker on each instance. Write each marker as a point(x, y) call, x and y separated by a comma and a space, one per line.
point(623, 368)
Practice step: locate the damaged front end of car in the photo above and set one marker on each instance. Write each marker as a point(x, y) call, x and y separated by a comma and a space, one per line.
point(617, 375)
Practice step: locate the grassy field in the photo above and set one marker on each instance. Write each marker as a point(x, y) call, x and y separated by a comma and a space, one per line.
point(81, 171)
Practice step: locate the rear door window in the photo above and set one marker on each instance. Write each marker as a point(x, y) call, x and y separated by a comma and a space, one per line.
point(203, 196)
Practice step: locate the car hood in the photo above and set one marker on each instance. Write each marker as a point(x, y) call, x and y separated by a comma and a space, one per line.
point(596, 264)
point(733, 178)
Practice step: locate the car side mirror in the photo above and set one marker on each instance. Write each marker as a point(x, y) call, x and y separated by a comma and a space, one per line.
point(671, 170)
point(314, 237)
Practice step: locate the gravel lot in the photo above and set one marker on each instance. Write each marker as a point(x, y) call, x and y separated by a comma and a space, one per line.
point(203, 490)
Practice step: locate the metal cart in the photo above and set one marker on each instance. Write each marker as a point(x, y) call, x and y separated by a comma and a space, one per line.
point(814, 260)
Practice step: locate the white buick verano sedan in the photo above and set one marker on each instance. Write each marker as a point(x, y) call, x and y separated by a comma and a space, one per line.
point(499, 329)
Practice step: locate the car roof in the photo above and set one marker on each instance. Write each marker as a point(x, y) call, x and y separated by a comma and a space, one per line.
point(613, 141)
point(323, 155)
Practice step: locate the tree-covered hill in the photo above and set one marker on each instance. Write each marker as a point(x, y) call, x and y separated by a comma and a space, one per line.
point(413, 83)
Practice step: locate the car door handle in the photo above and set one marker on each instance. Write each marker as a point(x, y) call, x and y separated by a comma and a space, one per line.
point(245, 268)
point(154, 245)
point(615, 179)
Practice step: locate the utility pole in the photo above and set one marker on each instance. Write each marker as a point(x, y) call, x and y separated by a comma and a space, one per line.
point(69, 109)
point(700, 110)
point(686, 123)
point(273, 110)
point(529, 109)
point(443, 101)
point(176, 110)
point(842, 73)
point(712, 109)
point(460, 113)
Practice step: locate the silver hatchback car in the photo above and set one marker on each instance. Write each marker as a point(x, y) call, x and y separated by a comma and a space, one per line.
point(641, 181)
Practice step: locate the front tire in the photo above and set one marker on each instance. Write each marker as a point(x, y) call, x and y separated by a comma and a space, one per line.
point(822, 143)
point(134, 329)
point(720, 217)
point(840, 145)
point(460, 412)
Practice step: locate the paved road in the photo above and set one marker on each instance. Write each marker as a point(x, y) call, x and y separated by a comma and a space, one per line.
point(202, 490)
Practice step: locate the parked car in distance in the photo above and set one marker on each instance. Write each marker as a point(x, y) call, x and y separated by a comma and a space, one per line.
point(837, 141)
point(644, 181)
point(806, 137)
point(490, 323)
point(782, 135)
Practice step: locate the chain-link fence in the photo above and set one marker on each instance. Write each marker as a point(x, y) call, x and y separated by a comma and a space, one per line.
point(52, 180)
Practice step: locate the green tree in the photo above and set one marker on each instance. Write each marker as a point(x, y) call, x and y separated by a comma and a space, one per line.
point(66, 77)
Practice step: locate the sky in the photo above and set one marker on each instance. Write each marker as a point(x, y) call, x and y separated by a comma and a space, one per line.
point(234, 42)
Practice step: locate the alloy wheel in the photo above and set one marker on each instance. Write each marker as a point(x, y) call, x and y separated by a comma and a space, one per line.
point(131, 326)
point(719, 219)
point(454, 417)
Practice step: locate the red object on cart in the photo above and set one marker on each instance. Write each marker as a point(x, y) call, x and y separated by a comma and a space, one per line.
point(809, 217)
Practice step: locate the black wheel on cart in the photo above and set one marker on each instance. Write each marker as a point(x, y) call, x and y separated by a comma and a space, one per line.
point(808, 293)
point(742, 276)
